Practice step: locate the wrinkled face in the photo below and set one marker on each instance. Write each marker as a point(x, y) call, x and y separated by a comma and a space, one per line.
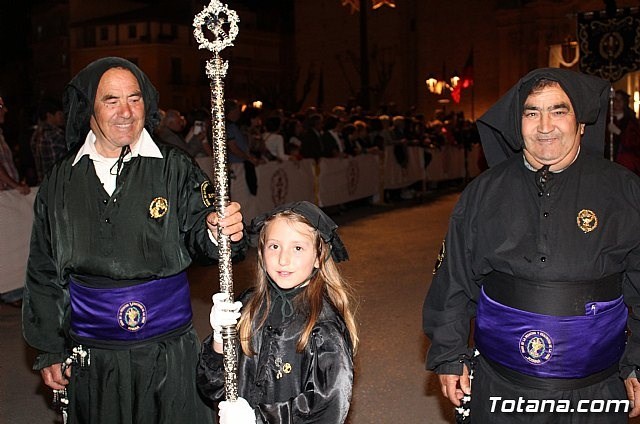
point(118, 112)
point(289, 252)
point(549, 128)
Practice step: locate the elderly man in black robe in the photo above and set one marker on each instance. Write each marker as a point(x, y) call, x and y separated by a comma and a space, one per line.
point(543, 251)
point(117, 222)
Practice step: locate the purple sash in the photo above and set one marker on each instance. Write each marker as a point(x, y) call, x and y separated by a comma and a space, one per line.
point(130, 314)
point(552, 346)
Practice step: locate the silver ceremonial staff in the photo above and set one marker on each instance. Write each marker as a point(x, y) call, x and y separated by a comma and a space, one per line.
point(223, 24)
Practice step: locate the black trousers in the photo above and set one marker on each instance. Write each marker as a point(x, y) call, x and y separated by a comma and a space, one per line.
point(497, 400)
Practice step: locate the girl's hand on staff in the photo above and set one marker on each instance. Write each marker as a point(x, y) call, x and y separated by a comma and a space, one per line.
point(231, 223)
point(236, 412)
point(223, 314)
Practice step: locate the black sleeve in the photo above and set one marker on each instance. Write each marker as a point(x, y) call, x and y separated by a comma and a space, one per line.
point(450, 303)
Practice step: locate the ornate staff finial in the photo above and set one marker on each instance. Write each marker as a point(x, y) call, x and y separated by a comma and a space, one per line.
point(223, 24)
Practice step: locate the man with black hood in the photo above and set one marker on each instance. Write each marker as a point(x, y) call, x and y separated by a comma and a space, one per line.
point(117, 222)
point(543, 251)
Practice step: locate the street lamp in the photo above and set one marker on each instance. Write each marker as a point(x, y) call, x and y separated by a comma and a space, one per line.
point(440, 86)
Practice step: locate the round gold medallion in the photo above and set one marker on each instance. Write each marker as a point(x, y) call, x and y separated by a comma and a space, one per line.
point(158, 207)
point(587, 220)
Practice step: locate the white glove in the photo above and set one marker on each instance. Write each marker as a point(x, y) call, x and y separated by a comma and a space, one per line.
point(223, 313)
point(236, 412)
point(613, 128)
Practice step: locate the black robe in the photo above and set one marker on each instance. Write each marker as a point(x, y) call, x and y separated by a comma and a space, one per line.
point(501, 223)
point(318, 385)
point(80, 229)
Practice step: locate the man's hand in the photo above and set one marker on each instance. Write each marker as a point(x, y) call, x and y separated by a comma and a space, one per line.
point(52, 376)
point(231, 224)
point(633, 393)
point(455, 387)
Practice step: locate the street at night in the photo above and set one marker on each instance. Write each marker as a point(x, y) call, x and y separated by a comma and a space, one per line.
point(392, 251)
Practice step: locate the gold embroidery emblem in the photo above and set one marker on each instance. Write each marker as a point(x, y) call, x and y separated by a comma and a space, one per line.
point(158, 207)
point(587, 220)
point(208, 196)
point(286, 368)
point(439, 259)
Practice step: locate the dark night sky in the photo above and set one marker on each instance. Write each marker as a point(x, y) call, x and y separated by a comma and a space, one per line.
point(14, 27)
point(15, 22)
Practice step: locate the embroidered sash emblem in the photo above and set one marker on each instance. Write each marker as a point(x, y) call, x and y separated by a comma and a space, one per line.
point(132, 316)
point(536, 347)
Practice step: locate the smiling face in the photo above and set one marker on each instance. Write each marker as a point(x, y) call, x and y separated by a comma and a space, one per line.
point(550, 130)
point(118, 118)
point(289, 252)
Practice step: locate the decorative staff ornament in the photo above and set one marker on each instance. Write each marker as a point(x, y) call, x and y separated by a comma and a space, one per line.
point(79, 357)
point(223, 24)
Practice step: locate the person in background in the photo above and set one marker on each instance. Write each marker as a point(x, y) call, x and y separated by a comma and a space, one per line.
point(172, 129)
point(238, 144)
point(312, 145)
point(199, 133)
point(273, 140)
point(349, 134)
point(297, 330)
point(542, 250)
point(9, 178)
point(292, 132)
point(626, 133)
point(47, 141)
point(332, 142)
point(117, 223)
point(250, 123)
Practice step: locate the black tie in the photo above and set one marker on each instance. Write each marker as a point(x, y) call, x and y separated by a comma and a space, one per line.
point(542, 177)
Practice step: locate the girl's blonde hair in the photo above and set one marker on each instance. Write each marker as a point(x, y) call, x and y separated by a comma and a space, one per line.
point(327, 281)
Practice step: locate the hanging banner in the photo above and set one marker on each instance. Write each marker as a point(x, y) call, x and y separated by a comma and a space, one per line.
point(609, 46)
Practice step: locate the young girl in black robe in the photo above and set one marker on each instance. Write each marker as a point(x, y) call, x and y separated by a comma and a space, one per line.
point(297, 331)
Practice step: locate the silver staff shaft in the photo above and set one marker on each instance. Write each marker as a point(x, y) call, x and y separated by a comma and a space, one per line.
point(612, 95)
point(221, 184)
point(223, 24)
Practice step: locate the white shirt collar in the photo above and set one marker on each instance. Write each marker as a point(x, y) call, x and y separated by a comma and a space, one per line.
point(143, 147)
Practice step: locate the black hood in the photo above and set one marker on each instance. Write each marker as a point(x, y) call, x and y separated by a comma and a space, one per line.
point(316, 217)
point(500, 127)
point(80, 93)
